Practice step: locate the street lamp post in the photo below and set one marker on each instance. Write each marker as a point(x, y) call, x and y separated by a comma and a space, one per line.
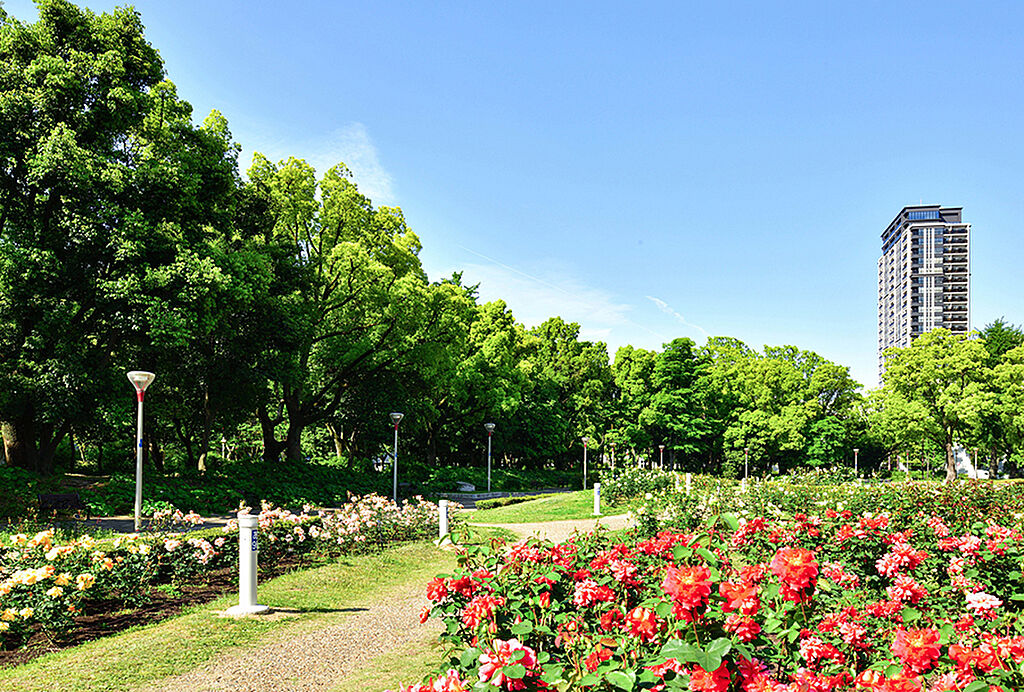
point(856, 472)
point(489, 427)
point(140, 379)
point(661, 456)
point(396, 418)
point(746, 462)
point(584, 462)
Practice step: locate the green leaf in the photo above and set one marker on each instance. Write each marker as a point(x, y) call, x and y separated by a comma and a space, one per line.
point(977, 686)
point(731, 521)
point(552, 673)
point(624, 680)
point(469, 657)
point(524, 627)
point(892, 669)
point(516, 671)
point(708, 555)
point(663, 609)
point(772, 625)
point(711, 657)
point(682, 553)
point(910, 614)
point(680, 650)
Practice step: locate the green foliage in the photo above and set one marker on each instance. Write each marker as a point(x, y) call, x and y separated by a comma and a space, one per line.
point(503, 501)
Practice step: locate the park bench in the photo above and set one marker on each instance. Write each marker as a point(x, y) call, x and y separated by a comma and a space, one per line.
point(58, 504)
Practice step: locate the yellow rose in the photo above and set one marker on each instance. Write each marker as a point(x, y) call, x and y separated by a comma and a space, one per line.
point(26, 613)
point(55, 592)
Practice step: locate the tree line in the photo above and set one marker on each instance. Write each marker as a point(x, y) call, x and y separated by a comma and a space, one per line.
point(286, 315)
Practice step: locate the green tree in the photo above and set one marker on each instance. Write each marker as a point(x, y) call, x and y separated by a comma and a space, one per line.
point(103, 180)
point(943, 373)
point(362, 304)
point(678, 408)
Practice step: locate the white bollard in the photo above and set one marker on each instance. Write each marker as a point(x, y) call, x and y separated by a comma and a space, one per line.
point(442, 518)
point(689, 481)
point(248, 550)
point(597, 499)
point(743, 485)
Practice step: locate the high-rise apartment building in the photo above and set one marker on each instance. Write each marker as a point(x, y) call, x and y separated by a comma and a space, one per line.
point(924, 275)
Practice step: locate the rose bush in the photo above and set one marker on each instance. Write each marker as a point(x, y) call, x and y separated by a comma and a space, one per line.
point(46, 583)
point(926, 600)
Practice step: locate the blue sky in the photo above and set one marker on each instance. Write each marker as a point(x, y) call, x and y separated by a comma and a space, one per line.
point(648, 170)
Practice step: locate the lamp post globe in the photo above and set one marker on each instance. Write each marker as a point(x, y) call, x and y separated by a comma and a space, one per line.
point(489, 427)
point(396, 418)
point(140, 379)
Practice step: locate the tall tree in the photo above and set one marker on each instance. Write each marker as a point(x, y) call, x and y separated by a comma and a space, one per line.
point(678, 409)
point(943, 373)
point(103, 178)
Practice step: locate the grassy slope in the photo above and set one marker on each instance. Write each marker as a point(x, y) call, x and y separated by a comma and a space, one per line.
point(575, 505)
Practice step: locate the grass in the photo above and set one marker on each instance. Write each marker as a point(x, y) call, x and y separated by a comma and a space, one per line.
point(575, 505)
point(141, 656)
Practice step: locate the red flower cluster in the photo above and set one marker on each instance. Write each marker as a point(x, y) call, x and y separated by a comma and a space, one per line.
point(918, 650)
point(688, 586)
point(797, 571)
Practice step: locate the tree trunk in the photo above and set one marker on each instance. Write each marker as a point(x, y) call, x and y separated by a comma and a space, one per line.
point(156, 452)
point(950, 461)
point(19, 443)
point(186, 442)
point(272, 447)
point(337, 439)
point(204, 433)
point(293, 444)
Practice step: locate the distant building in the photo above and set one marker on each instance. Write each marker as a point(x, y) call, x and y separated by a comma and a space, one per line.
point(924, 275)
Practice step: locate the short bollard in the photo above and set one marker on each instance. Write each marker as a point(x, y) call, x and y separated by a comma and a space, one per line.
point(442, 518)
point(597, 499)
point(248, 549)
point(689, 481)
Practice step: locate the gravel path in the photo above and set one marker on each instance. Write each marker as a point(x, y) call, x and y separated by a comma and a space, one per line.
point(300, 658)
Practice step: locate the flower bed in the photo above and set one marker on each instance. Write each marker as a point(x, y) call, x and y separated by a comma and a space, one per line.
point(47, 586)
point(834, 601)
point(659, 498)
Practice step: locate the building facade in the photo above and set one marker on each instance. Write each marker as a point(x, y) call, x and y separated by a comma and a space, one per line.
point(924, 275)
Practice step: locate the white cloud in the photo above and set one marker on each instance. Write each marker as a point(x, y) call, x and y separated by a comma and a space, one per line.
point(350, 144)
point(668, 310)
point(550, 290)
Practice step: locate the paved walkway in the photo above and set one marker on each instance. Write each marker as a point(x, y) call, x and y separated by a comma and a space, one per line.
point(322, 658)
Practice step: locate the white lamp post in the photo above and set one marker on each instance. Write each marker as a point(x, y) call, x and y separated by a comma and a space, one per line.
point(140, 379)
point(396, 418)
point(489, 427)
point(661, 456)
point(855, 471)
point(746, 462)
point(584, 438)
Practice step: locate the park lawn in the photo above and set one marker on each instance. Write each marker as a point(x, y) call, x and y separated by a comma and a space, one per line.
point(147, 654)
point(555, 507)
